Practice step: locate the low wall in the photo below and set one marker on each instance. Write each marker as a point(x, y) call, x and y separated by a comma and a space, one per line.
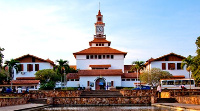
point(129, 93)
point(12, 101)
point(189, 99)
point(102, 101)
point(53, 93)
point(180, 92)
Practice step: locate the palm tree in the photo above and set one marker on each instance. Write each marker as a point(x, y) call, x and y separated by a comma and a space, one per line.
point(139, 65)
point(188, 62)
point(62, 68)
point(12, 64)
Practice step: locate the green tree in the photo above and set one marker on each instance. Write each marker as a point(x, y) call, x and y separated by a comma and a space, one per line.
point(12, 64)
point(1, 57)
point(62, 67)
point(4, 76)
point(153, 76)
point(48, 78)
point(188, 62)
point(196, 63)
point(138, 65)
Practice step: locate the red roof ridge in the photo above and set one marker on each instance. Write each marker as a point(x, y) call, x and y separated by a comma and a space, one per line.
point(47, 60)
point(99, 50)
point(172, 53)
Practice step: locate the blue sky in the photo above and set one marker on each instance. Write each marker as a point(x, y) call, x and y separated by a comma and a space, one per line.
point(55, 29)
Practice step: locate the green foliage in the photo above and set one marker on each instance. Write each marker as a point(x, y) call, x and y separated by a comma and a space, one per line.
point(70, 88)
point(188, 62)
point(12, 64)
point(1, 57)
point(153, 76)
point(139, 65)
point(47, 86)
point(72, 70)
point(4, 76)
point(196, 63)
point(47, 75)
point(62, 67)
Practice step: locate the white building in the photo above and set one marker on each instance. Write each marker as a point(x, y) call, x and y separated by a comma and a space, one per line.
point(171, 63)
point(100, 66)
point(30, 64)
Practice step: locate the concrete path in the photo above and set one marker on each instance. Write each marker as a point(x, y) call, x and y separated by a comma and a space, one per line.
point(18, 107)
point(180, 106)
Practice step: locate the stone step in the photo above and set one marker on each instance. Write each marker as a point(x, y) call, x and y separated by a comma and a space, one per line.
point(166, 100)
point(38, 101)
point(101, 93)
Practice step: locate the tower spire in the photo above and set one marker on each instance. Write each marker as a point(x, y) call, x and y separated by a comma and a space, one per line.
point(99, 5)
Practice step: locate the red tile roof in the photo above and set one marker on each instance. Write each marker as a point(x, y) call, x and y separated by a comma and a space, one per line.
point(130, 75)
point(28, 55)
point(99, 40)
point(22, 82)
point(106, 72)
point(72, 76)
point(100, 66)
point(25, 78)
point(151, 59)
point(99, 50)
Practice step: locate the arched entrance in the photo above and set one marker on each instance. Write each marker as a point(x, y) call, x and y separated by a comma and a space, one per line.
point(100, 84)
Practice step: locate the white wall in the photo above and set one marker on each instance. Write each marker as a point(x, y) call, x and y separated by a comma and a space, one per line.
point(116, 63)
point(129, 83)
point(175, 72)
point(31, 73)
point(84, 79)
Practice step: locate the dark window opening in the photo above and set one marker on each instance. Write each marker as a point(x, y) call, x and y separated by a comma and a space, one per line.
point(99, 56)
point(95, 56)
point(76, 79)
point(91, 56)
point(108, 56)
point(127, 79)
point(87, 57)
point(99, 44)
point(96, 44)
point(179, 66)
point(104, 56)
point(123, 79)
point(99, 18)
point(171, 66)
point(36, 67)
point(29, 67)
point(102, 44)
point(21, 68)
point(170, 82)
point(112, 56)
point(163, 66)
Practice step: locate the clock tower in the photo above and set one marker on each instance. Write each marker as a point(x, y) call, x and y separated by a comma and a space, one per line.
point(99, 26)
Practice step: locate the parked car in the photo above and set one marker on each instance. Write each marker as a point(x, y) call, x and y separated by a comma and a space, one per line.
point(142, 88)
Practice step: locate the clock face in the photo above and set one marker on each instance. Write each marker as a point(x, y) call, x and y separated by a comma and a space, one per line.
point(99, 28)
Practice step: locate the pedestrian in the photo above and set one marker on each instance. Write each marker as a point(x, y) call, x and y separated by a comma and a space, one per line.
point(27, 89)
point(3, 90)
point(14, 90)
point(19, 90)
point(159, 91)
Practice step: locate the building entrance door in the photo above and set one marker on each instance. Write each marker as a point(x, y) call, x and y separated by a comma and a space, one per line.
point(100, 84)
